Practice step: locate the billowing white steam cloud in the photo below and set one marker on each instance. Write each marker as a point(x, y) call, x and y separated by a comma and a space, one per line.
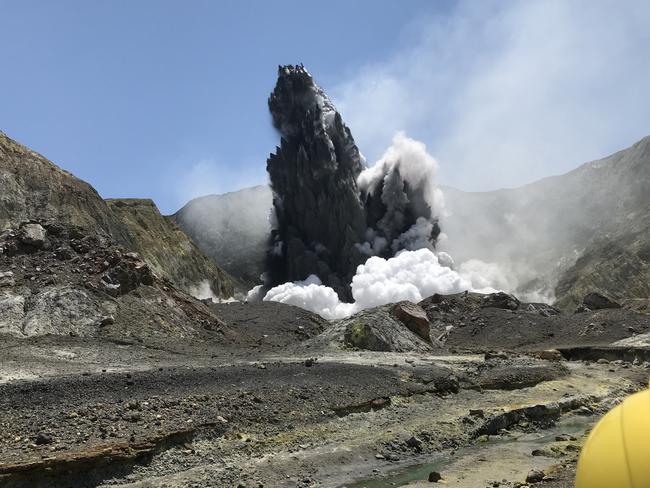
point(203, 291)
point(411, 275)
point(415, 165)
point(415, 271)
point(311, 295)
point(404, 178)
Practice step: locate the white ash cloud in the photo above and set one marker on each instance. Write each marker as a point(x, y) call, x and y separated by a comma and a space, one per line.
point(203, 291)
point(402, 200)
point(414, 164)
point(411, 275)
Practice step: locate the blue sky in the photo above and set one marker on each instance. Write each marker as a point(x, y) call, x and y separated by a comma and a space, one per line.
point(167, 99)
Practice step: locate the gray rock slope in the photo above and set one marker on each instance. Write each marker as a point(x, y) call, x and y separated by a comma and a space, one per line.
point(572, 229)
point(63, 280)
point(233, 229)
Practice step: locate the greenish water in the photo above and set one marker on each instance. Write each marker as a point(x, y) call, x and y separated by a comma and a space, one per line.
point(527, 442)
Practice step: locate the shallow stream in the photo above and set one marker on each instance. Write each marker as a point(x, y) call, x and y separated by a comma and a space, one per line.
point(489, 458)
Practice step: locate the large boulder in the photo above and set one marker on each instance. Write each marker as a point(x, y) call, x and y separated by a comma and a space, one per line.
point(32, 235)
point(414, 318)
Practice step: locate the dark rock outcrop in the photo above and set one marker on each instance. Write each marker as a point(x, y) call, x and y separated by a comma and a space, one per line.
point(313, 175)
point(596, 301)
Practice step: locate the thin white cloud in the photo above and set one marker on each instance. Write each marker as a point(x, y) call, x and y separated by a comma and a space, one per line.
point(506, 92)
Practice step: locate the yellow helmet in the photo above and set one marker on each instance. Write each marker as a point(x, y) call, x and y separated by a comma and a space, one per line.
point(617, 452)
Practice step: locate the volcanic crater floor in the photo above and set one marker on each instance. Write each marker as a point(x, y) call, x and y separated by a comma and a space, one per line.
point(80, 412)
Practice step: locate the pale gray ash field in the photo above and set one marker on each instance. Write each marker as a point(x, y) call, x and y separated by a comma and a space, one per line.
point(346, 326)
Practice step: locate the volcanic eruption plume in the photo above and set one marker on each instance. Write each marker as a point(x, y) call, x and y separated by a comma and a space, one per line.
point(332, 211)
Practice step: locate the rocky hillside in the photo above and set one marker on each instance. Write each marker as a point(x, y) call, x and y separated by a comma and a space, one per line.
point(233, 229)
point(616, 264)
point(169, 251)
point(31, 187)
point(65, 281)
point(586, 230)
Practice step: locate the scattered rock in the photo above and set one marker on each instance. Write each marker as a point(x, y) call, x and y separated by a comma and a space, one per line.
point(434, 477)
point(64, 253)
point(581, 309)
point(495, 355)
point(550, 355)
point(564, 437)
point(500, 300)
point(535, 476)
point(43, 438)
point(585, 410)
point(543, 309)
point(7, 278)
point(477, 412)
point(414, 443)
point(108, 320)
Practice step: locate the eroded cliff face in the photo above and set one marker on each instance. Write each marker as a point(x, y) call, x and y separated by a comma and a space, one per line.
point(170, 252)
point(313, 175)
point(31, 187)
